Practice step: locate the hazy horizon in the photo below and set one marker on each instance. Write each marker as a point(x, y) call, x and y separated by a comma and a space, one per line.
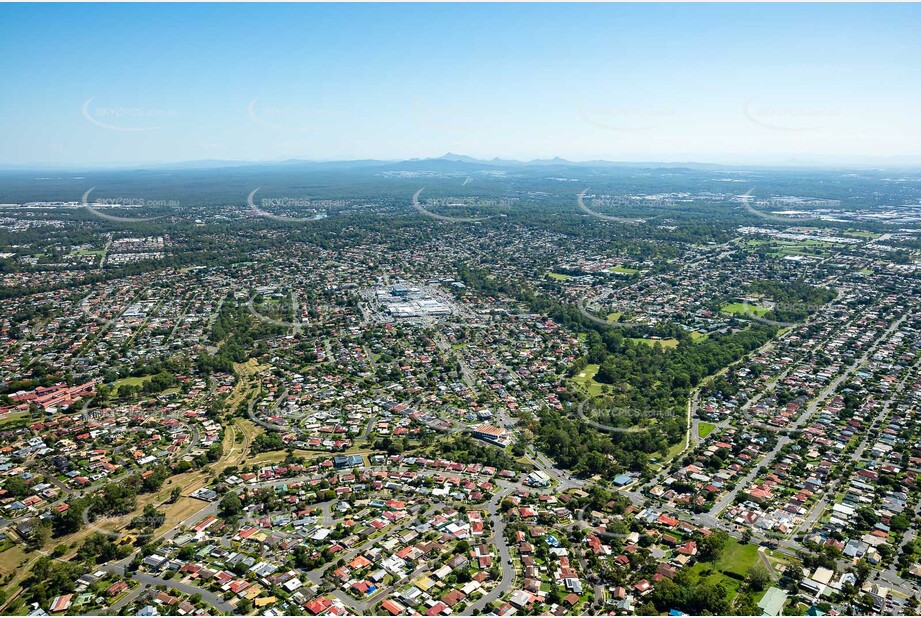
point(106, 86)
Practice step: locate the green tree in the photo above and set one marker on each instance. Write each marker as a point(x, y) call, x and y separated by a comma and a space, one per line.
point(230, 504)
point(759, 577)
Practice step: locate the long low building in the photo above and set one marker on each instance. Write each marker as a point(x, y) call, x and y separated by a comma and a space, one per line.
point(495, 435)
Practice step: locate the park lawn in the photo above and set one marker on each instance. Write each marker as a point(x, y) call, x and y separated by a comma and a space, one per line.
point(559, 276)
point(613, 317)
point(698, 336)
point(586, 379)
point(673, 451)
point(803, 247)
point(736, 558)
point(705, 429)
point(862, 234)
point(744, 309)
point(11, 419)
point(139, 381)
point(668, 344)
point(11, 560)
point(623, 270)
point(704, 572)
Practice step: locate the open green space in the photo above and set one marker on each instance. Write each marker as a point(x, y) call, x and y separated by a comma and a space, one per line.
point(744, 309)
point(586, 379)
point(133, 381)
point(13, 419)
point(705, 429)
point(623, 270)
point(559, 276)
point(784, 248)
point(668, 344)
point(862, 234)
point(730, 569)
point(613, 317)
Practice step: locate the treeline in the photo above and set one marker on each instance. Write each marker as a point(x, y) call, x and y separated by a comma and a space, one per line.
point(151, 386)
point(464, 448)
point(649, 378)
point(574, 445)
point(268, 441)
point(235, 333)
point(795, 301)
point(116, 498)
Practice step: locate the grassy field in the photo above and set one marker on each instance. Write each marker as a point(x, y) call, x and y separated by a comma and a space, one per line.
point(744, 309)
point(736, 558)
point(559, 276)
point(673, 451)
point(805, 247)
point(275, 457)
point(140, 381)
point(11, 560)
point(698, 336)
point(783, 248)
point(668, 344)
point(11, 419)
point(705, 429)
point(613, 317)
point(586, 379)
point(623, 270)
point(862, 234)
point(245, 383)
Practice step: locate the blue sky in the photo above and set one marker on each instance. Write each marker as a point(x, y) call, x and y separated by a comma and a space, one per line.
point(750, 83)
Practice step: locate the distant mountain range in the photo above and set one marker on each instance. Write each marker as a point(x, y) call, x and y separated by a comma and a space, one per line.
point(458, 162)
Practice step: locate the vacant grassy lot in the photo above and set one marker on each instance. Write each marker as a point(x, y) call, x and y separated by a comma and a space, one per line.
point(705, 429)
point(559, 276)
point(586, 379)
point(12, 419)
point(139, 381)
point(744, 309)
point(668, 344)
point(730, 570)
